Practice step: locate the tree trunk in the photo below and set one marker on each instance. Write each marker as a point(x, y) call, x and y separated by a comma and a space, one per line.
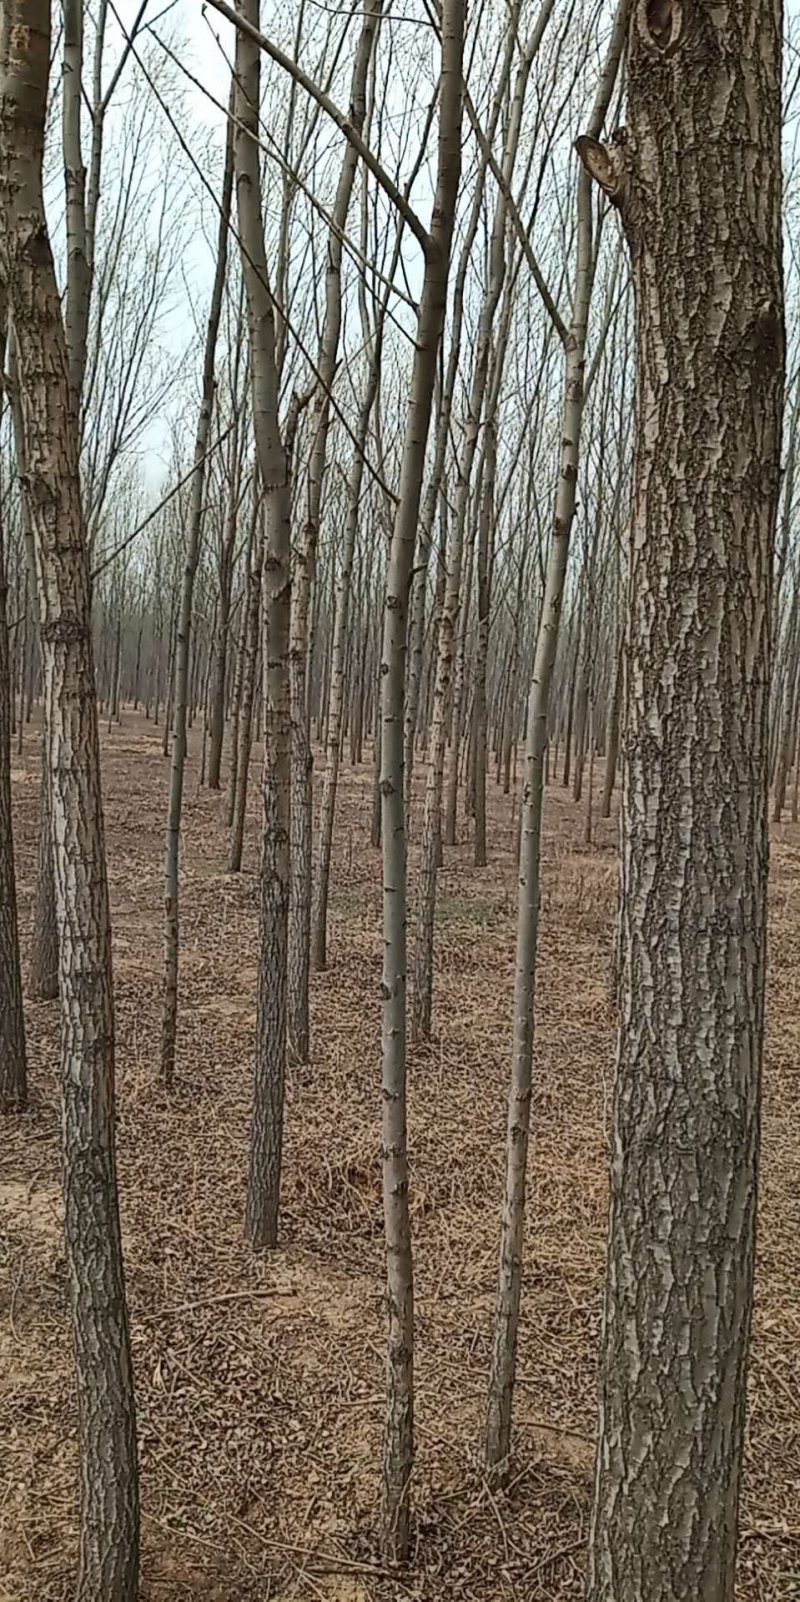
point(302, 760)
point(169, 1013)
point(485, 543)
point(509, 1284)
point(266, 1144)
point(612, 738)
point(43, 957)
point(13, 1081)
point(245, 723)
point(399, 1437)
point(107, 1436)
point(698, 183)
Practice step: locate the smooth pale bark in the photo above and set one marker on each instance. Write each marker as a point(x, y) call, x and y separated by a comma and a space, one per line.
point(698, 184)
point(612, 737)
point(452, 611)
point(485, 554)
point(266, 1142)
point(789, 711)
point(398, 1453)
point(78, 270)
point(171, 937)
point(218, 671)
point(106, 1425)
point(506, 1312)
point(242, 732)
point(447, 830)
point(303, 571)
point(319, 924)
point(443, 412)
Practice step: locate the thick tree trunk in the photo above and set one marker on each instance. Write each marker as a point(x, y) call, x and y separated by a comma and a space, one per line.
point(107, 1436)
point(698, 182)
point(43, 955)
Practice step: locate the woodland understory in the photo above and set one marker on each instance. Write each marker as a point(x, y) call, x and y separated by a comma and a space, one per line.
point(259, 1381)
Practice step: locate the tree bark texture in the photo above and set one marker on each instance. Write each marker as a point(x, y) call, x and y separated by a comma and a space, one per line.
point(698, 184)
point(109, 1535)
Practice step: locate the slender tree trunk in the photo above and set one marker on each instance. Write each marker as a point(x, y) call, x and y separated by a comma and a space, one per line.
point(106, 1423)
point(169, 1013)
point(219, 665)
point(612, 738)
point(485, 544)
point(319, 927)
point(698, 183)
point(13, 1081)
point(399, 1437)
point(245, 731)
point(302, 761)
point(241, 654)
point(266, 1144)
point(506, 1313)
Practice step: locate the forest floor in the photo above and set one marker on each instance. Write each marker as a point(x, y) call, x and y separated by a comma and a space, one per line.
point(260, 1382)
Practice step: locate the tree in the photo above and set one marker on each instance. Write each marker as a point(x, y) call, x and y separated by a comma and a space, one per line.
point(107, 1436)
point(302, 760)
point(399, 1436)
point(169, 1016)
point(13, 1080)
point(263, 1193)
point(697, 180)
point(509, 1280)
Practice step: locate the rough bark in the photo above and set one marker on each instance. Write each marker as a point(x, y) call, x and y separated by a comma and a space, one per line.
point(42, 982)
point(107, 1437)
point(698, 183)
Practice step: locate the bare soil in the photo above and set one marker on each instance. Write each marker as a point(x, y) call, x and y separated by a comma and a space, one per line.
point(260, 1382)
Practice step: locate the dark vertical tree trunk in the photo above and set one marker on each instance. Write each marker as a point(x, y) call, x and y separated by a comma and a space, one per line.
point(698, 183)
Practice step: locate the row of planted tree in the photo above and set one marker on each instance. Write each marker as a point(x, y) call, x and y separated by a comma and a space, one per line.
point(403, 429)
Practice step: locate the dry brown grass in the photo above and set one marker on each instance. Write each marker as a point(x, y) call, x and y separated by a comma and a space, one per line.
point(260, 1383)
